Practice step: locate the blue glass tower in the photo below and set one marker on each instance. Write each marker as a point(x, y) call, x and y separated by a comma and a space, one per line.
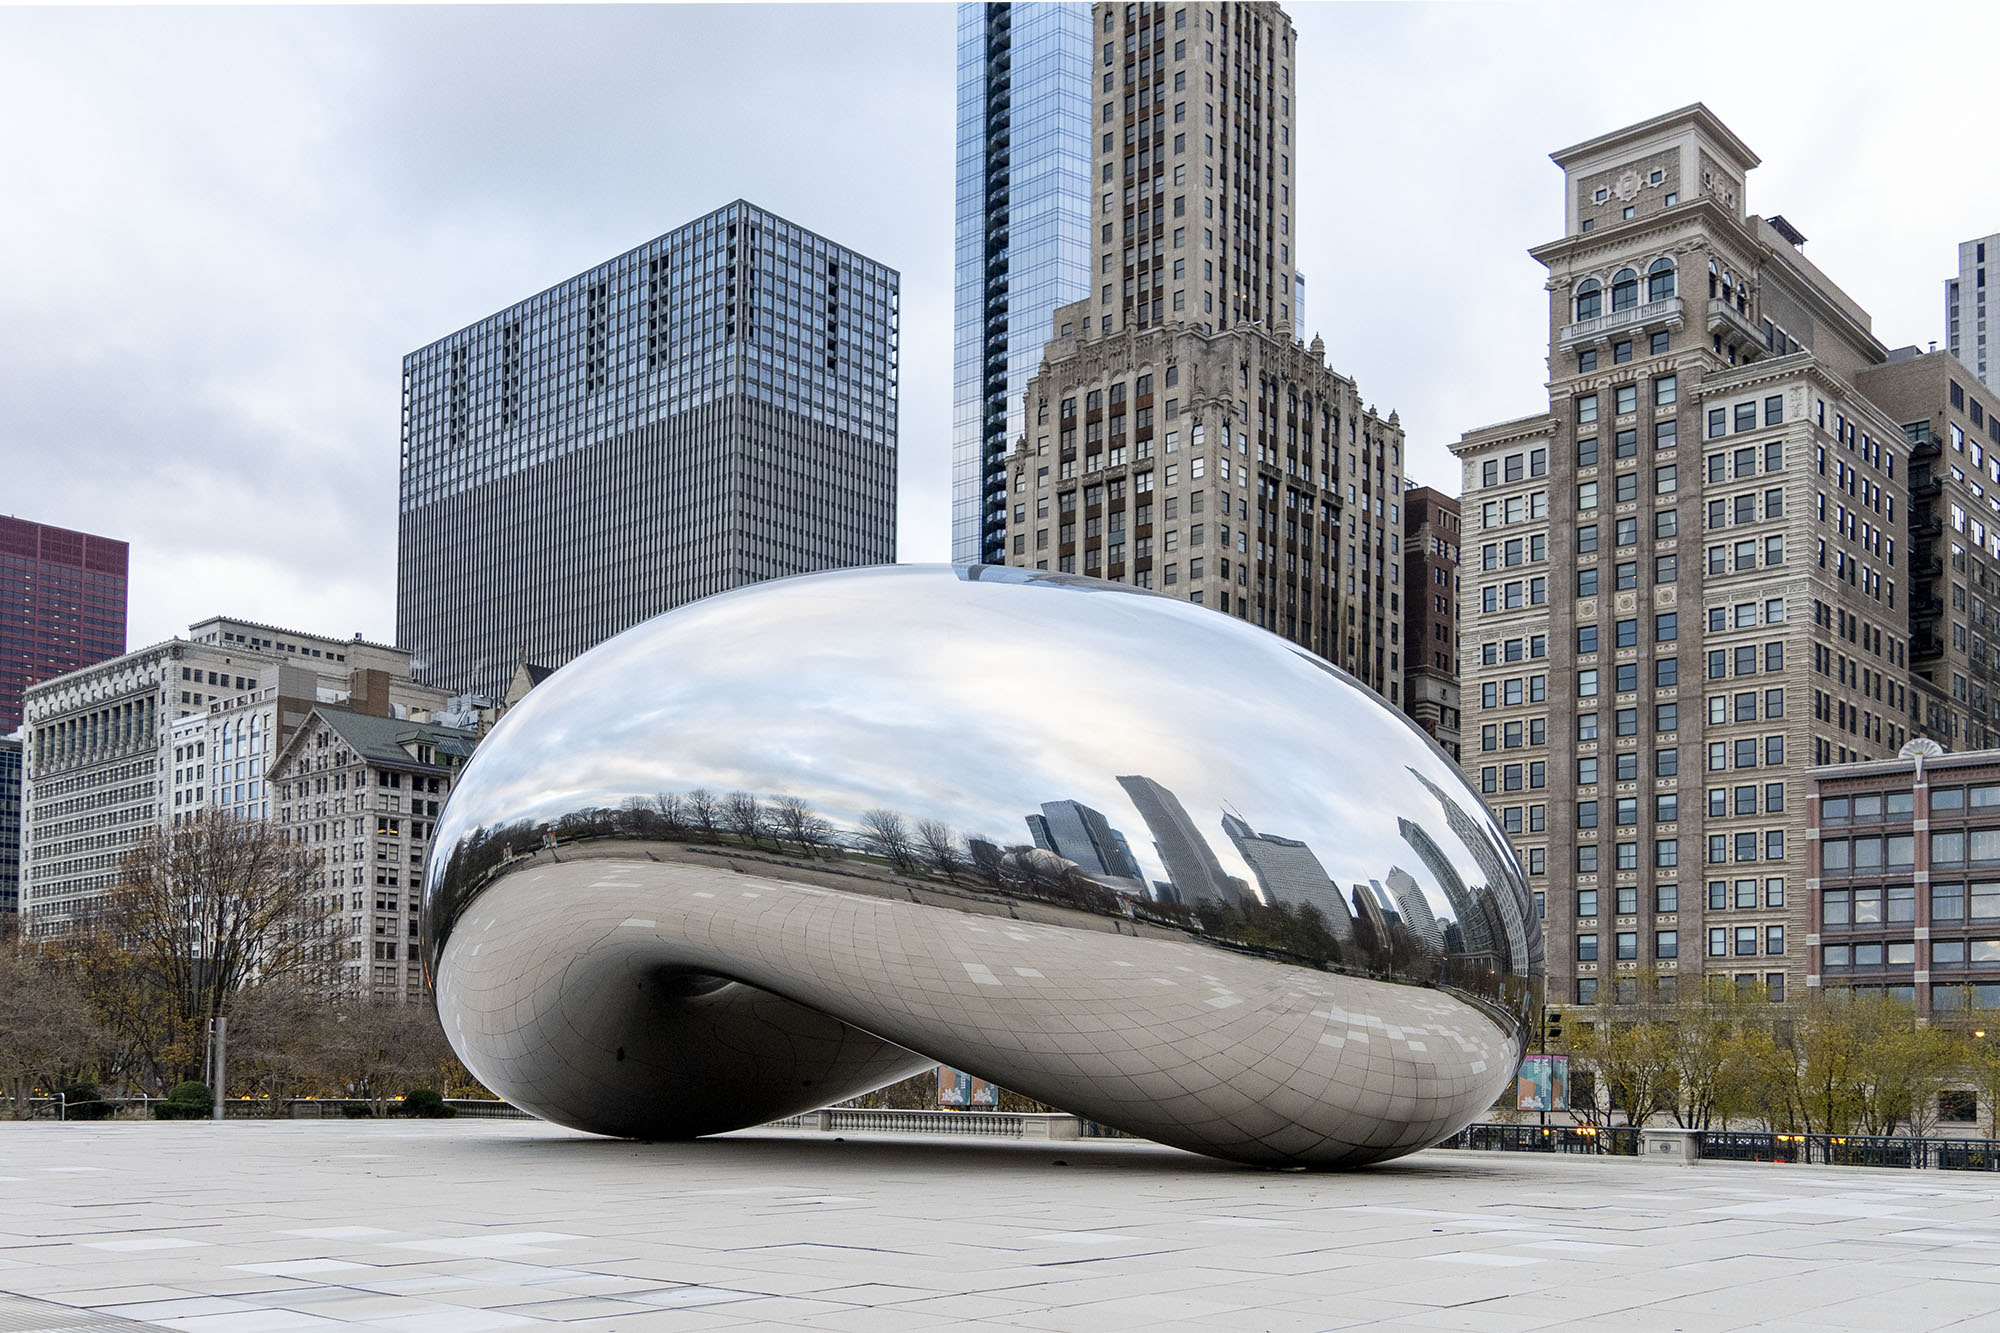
point(1023, 235)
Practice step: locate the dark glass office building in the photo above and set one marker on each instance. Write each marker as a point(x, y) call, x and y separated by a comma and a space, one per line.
point(62, 606)
point(1023, 239)
point(713, 408)
point(10, 825)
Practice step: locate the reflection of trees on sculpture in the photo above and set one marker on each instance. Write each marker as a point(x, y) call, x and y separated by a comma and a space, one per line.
point(1378, 940)
point(745, 815)
point(705, 813)
point(884, 833)
point(1297, 930)
point(939, 846)
point(795, 820)
point(672, 812)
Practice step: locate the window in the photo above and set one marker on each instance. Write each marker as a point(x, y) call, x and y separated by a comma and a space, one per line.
point(1660, 280)
point(1589, 299)
point(1624, 289)
point(1586, 409)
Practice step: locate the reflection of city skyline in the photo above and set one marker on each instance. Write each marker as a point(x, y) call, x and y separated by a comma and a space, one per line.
point(1192, 868)
point(1287, 872)
point(1075, 831)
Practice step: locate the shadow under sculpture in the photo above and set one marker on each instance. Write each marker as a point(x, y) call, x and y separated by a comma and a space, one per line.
point(1131, 857)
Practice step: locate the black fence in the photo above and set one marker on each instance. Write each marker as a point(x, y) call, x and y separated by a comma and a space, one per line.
point(1742, 1146)
point(1619, 1142)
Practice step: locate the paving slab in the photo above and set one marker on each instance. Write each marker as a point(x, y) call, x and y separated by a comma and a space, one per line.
point(470, 1226)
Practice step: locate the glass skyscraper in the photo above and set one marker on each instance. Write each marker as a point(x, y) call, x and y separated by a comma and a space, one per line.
point(1023, 235)
point(713, 408)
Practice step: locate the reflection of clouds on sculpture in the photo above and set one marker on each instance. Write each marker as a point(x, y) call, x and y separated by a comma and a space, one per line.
point(914, 713)
point(1114, 728)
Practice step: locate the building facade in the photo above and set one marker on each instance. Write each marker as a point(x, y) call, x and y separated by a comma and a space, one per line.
point(1965, 311)
point(364, 793)
point(63, 596)
point(167, 732)
point(1430, 613)
point(1177, 435)
point(1952, 424)
point(1692, 572)
point(715, 407)
point(1903, 901)
point(1022, 243)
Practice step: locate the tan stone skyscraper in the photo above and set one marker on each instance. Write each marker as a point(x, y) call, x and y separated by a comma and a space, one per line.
point(1718, 558)
point(1178, 435)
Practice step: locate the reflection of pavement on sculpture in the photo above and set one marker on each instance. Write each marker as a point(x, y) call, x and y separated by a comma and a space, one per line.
point(585, 989)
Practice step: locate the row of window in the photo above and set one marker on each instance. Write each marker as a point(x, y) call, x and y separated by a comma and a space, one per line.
point(1900, 806)
point(1626, 989)
point(1667, 943)
point(1621, 352)
point(1876, 954)
point(1625, 855)
point(1660, 286)
point(1625, 443)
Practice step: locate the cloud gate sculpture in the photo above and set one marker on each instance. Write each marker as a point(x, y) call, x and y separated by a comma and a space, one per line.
point(1131, 857)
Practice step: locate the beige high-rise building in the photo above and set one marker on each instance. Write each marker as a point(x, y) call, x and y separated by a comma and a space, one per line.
point(1178, 435)
point(363, 790)
point(1689, 579)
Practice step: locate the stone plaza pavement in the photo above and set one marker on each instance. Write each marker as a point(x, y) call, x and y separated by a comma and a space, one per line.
point(463, 1226)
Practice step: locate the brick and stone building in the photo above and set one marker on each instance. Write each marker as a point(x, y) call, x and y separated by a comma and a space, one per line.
point(62, 606)
point(1952, 424)
point(1178, 434)
point(364, 790)
point(1430, 613)
point(1903, 856)
point(1688, 578)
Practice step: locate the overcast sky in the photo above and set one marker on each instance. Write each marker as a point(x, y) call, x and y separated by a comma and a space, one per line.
point(221, 229)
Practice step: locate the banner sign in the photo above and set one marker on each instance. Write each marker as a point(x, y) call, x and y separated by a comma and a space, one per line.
point(1543, 1083)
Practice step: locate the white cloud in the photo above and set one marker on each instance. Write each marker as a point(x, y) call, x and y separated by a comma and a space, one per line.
point(226, 226)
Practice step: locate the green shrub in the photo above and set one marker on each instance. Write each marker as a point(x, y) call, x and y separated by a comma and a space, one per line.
point(82, 1101)
point(185, 1101)
point(427, 1104)
point(357, 1110)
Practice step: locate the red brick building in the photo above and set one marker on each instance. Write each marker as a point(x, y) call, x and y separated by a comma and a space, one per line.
point(1903, 887)
point(62, 606)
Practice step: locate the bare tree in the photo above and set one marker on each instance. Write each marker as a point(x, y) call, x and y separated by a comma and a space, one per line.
point(381, 1050)
point(884, 833)
point(206, 908)
point(672, 812)
point(47, 1032)
point(939, 846)
point(704, 812)
point(796, 820)
point(745, 814)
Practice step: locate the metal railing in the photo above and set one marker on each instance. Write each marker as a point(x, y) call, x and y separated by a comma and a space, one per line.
point(1897, 1151)
point(60, 1107)
point(1613, 1142)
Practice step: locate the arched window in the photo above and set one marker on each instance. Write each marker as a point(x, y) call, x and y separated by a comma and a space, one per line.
point(1660, 280)
point(1589, 300)
point(1624, 289)
point(1712, 271)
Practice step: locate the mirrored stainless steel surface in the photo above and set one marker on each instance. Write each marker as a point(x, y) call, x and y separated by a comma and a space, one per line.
point(1129, 856)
